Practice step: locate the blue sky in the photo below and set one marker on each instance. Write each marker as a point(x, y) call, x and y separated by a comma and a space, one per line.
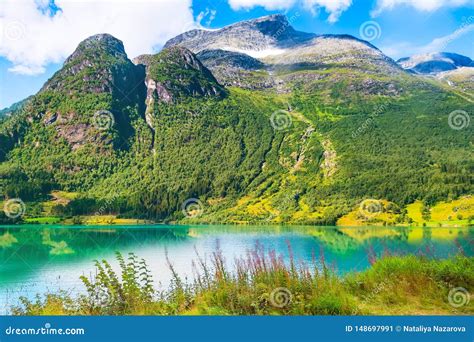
point(37, 35)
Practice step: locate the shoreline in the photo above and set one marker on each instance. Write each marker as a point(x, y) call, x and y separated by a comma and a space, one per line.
point(263, 285)
point(186, 224)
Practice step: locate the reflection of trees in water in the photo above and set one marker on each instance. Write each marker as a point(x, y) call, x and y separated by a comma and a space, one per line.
point(342, 240)
point(338, 239)
point(404, 233)
point(335, 240)
point(35, 244)
point(57, 247)
point(427, 235)
point(7, 240)
point(204, 230)
point(465, 242)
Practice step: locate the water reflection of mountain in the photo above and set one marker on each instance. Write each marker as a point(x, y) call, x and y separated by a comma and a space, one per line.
point(36, 243)
point(39, 243)
point(345, 239)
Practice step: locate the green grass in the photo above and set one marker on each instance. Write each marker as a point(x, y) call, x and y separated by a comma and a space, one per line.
point(43, 220)
point(459, 212)
point(261, 284)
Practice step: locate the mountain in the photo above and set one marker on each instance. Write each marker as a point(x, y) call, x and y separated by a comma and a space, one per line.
point(91, 108)
point(432, 63)
point(275, 51)
point(235, 68)
point(461, 78)
point(97, 87)
point(273, 41)
point(176, 73)
point(222, 58)
point(252, 123)
point(173, 75)
point(17, 106)
point(255, 36)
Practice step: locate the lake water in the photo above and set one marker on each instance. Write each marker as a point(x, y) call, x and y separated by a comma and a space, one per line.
point(37, 259)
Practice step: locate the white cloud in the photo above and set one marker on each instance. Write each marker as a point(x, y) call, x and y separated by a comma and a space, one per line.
point(267, 4)
point(333, 7)
point(31, 38)
point(30, 70)
point(421, 5)
point(207, 17)
point(440, 44)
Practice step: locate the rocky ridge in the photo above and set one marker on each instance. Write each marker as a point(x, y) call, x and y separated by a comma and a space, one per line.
point(433, 63)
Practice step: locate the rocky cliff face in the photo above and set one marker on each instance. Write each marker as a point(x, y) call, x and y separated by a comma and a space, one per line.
point(221, 58)
point(175, 74)
point(92, 97)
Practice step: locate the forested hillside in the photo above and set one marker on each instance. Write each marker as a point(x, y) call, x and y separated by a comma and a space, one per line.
point(317, 135)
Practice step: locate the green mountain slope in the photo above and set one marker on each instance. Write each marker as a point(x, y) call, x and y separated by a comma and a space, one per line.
point(161, 139)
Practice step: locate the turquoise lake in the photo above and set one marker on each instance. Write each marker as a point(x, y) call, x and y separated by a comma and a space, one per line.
point(38, 259)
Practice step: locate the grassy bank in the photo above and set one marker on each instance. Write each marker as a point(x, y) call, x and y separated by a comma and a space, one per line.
point(370, 212)
point(262, 284)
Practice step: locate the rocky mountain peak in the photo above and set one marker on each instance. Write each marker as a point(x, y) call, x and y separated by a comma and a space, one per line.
point(276, 25)
point(103, 42)
point(436, 62)
point(181, 57)
point(98, 63)
point(265, 33)
point(98, 73)
point(273, 41)
point(173, 74)
point(278, 19)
